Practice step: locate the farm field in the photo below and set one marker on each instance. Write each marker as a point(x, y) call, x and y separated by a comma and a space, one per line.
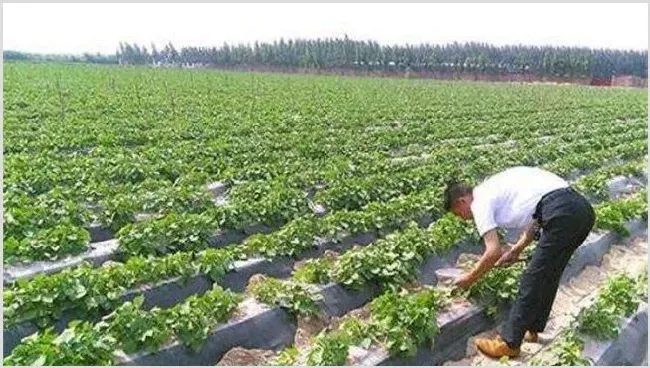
point(185, 217)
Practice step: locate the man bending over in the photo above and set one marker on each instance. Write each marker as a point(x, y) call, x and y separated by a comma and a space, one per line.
point(534, 201)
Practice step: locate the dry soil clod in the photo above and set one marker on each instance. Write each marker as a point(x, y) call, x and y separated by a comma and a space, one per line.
point(245, 357)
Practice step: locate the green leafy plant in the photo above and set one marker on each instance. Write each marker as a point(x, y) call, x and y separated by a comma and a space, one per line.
point(618, 298)
point(314, 271)
point(399, 320)
point(497, 287)
point(329, 350)
point(596, 182)
point(129, 328)
point(192, 320)
point(642, 285)
point(613, 215)
point(286, 356)
point(286, 294)
point(80, 344)
point(47, 245)
point(136, 329)
point(565, 351)
point(25, 215)
point(172, 233)
point(403, 321)
point(98, 289)
point(393, 261)
point(114, 157)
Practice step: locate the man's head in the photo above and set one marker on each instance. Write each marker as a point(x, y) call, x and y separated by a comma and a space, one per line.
point(458, 199)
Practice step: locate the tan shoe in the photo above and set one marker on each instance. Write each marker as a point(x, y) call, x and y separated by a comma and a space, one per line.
point(531, 336)
point(496, 348)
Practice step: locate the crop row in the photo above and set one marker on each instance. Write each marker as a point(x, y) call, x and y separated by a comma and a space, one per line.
point(393, 261)
point(101, 288)
point(594, 160)
point(161, 162)
point(595, 184)
point(600, 320)
point(102, 186)
point(147, 110)
point(91, 146)
point(129, 329)
point(90, 176)
point(413, 243)
point(252, 203)
point(410, 323)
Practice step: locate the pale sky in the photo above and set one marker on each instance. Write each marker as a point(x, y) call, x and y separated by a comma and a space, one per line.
point(77, 28)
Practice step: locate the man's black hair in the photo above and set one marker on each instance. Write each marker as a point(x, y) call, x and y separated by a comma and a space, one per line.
point(455, 189)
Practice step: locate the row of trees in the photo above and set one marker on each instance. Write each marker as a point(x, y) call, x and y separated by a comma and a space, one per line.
point(344, 53)
point(371, 56)
point(84, 58)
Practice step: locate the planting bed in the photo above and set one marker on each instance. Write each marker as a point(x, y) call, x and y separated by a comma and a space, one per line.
point(458, 325)
point(630, 346)
point(146, 224)
point(580, 292)
point(336, 301)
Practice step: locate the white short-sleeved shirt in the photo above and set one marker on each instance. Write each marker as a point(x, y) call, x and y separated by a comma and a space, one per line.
point(508, 199)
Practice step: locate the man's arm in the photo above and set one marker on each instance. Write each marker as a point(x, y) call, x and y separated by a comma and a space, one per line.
point(490, 256)
point(488, 259)
point(525, 239)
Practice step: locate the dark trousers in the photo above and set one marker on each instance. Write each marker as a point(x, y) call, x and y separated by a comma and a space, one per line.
point(565, 218)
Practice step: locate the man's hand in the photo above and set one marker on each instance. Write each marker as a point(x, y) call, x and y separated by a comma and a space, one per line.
point(509, 257)
point(490, 256)
point(464, 281)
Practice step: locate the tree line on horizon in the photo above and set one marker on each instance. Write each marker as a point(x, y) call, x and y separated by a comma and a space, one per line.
point(370, 56)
